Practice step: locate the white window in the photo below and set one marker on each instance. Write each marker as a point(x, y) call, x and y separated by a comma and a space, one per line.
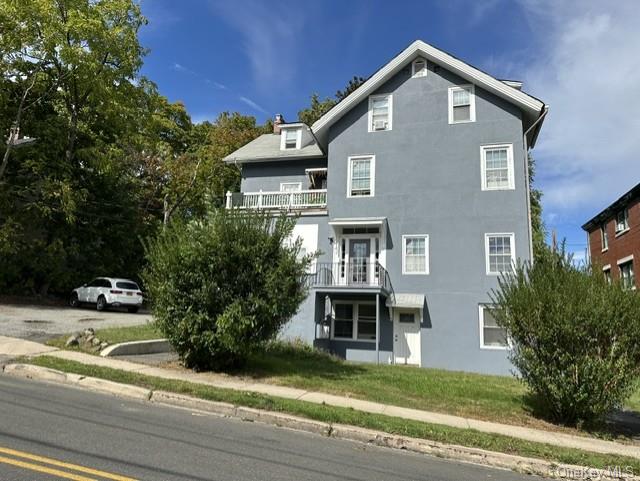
point(290, 139)
point(492, 336)
point(415, 254)
point(606, 271)
point(354, 321)
point(622, 221)
point(290, 186)
point(462, 104)
point(500, 253)
point(361, 178)
point(380, 112)
point(627, 276)
point(497, 167)
point(419, 68)
point(604, 237)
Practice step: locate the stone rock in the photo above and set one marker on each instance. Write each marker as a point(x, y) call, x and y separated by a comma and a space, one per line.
point(72, 341)
point(89, 332)
point(96, 341)
point(104, 345)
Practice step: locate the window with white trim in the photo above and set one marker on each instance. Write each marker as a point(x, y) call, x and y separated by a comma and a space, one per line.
point(627, 277)
point(290, 139)
point(415, 254)
point(497, 167)
point(361, 176)
point(604, 237)
point(462, 104)
point(419, 68)
point(380, 112)
point(290, 186)
point(500, 253)
point(622, 220)
point(354, 321)
point(492, 336)
point(606, 271)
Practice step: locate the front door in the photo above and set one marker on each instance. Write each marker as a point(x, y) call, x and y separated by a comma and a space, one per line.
point(406, 337)
point(359, 258)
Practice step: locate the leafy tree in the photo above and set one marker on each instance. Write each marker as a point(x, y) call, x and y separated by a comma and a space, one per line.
point(320, 107)
point(225, 285)
point(535, 205)
point(576, 338)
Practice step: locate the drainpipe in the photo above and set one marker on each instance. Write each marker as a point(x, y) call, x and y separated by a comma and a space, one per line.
point(542, 115)
point(377, 328)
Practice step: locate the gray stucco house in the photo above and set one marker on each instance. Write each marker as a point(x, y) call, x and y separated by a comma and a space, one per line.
point(414, 189)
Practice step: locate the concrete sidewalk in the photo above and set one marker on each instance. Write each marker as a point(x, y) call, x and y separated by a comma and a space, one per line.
point(9, 346)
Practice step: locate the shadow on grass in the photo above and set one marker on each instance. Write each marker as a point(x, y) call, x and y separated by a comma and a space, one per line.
point(286, 360)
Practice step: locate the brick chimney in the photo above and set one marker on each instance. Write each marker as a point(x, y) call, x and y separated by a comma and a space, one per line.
point(278, 121)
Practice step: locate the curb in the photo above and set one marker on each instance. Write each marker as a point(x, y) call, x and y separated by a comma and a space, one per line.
point(465, 454)
point(134, 348)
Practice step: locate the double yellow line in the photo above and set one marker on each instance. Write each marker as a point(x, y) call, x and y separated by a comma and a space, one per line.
point(20, 463)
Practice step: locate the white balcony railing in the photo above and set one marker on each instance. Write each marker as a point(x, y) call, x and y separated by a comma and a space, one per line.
point(299, 199)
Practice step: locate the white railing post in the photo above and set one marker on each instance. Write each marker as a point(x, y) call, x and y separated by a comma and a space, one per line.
point(229, 201)
point(260, 199)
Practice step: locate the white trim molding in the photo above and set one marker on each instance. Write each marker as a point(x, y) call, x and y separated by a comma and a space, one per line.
point(624, 260)
point(512, 247)
point(372, 175)
point(425, 271)
point(472, 103)
point(389, 98)
point(481, 309)
point(483, 166)
point(607, 267)
point(298, 184)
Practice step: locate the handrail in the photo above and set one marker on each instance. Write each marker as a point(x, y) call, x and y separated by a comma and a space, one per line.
point(297, 199)
point(352, 273)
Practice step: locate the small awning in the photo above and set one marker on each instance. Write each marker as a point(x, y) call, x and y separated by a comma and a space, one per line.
point(358, 221)
point(407, 301)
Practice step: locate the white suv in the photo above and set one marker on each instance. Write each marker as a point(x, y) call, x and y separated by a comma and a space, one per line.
point(108, 291)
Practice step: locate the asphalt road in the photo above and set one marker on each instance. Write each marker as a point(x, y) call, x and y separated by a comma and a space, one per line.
point(39, 323)
point(49, 432)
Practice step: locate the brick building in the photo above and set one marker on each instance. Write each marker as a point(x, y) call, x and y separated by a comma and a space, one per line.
point(614, 238)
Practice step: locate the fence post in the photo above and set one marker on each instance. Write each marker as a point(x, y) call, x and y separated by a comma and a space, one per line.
point(260, 199)
point(229, 201)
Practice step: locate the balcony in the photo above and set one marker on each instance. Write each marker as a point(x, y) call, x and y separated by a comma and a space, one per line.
point(354, 274)
point(294, 200)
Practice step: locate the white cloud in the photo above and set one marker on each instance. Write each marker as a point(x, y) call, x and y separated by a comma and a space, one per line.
point(269, 31)
point(252, 104)
point(587, 68)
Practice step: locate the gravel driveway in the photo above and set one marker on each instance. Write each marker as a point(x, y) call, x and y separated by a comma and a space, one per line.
point(39, 323)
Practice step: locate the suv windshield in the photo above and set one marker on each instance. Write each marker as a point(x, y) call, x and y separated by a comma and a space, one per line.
point(128, 285)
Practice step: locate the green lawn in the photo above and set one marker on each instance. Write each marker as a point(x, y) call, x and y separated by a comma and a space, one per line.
point(330, 414)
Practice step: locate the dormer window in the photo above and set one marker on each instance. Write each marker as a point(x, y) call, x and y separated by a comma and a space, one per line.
point(419, 68)
point(291, 139)
point(380, 112)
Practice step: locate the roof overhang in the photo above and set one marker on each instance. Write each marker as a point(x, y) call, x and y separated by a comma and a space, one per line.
point(531, 107)
point(358, 221)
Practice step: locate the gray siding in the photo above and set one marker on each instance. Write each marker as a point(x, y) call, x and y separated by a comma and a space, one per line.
point(428, 181)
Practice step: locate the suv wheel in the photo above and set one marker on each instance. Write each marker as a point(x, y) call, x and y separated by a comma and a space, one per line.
point(73, 300)
point(101, 305)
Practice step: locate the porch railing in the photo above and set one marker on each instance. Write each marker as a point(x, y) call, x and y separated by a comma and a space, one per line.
point(299, 199)
point(350, 274)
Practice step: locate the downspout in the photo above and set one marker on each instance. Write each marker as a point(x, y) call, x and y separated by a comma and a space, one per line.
point(542, 115)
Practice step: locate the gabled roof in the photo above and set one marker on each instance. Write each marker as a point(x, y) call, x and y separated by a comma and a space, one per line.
point(612, 209)
point(531, 107)
point(267, 147)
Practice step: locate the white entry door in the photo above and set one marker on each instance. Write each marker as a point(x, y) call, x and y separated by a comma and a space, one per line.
point(406, 336)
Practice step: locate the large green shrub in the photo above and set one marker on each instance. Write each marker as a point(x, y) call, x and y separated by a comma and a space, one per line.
point(576, 339)
point(223, 286)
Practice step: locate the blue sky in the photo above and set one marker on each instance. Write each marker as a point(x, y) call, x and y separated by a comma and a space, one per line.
point(264, 57)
